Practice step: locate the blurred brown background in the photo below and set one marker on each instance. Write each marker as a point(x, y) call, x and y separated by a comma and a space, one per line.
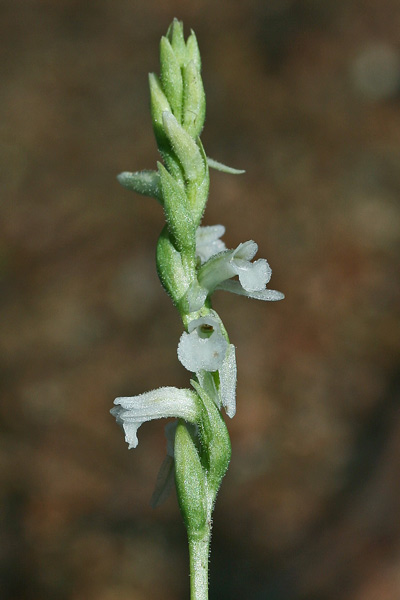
point(304, 95)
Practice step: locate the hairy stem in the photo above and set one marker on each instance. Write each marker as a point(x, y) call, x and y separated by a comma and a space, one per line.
point(199, 550)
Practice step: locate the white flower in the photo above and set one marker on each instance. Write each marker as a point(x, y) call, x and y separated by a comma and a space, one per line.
point(208, 243)
point(217, 272)
point(204, 350)
point(204, 346)
point(164, 402)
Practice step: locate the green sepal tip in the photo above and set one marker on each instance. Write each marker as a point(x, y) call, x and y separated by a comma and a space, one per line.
point(214, 164)
point(146, 183)
point(194, 100)
point(171, 77)
point(192, 50)
point(176, 37)
point(184, 147)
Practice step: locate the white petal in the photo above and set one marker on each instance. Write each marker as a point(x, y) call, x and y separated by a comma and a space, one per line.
point(246, 250)
point(254, 276)
point(209, 233)
point(227, 264)
point(228, 375)
point(160, 403)
point(207, 241)
point(196, 353)
point(236, 288)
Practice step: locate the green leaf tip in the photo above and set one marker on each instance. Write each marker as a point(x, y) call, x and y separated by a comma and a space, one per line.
point(214, 164)
point(146, 183)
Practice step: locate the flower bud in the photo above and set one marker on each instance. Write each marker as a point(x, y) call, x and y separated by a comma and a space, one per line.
point(177, 212)
point(184, 147)
point(194, 100)
point(171, 77)
point(192, 50)
point(158, 104)
point(177, 39)
point(197, 190)
point(170, 269)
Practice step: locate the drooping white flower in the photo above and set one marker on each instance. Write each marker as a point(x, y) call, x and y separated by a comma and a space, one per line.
point(208, 243)
point(219, 269)
point(204, 350)
point(131, 412)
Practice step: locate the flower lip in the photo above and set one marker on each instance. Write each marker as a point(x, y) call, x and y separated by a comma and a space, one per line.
point(204, 346)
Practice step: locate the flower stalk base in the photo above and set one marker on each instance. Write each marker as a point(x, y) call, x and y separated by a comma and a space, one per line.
point(199, 549)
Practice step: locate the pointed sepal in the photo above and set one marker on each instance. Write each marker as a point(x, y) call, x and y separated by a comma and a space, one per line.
point(192, 50)
point(194, 100)
point(171, 77)
point(177, 39)
point(218, 166)
point(146, 183)
point(184, 147)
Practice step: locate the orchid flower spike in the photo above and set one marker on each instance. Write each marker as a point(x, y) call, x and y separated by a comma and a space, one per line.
point(164, 402)
point(192, 262)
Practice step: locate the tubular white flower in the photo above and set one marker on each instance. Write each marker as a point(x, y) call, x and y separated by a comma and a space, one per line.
point(219, 269)
point(204, 346)
point(164, 402)
point(208, 243)
point(252, 276)
point(204, 350)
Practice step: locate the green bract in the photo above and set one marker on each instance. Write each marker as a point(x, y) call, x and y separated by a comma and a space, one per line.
point(191, 483)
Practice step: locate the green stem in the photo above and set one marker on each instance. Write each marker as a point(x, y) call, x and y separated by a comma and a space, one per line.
point(198, 551)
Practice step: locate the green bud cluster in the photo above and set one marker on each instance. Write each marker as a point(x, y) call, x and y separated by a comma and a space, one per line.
point(178, 111)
